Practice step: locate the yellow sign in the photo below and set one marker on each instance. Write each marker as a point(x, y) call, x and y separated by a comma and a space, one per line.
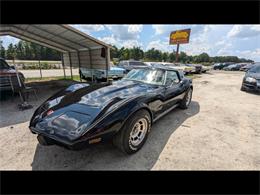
point(180, 36)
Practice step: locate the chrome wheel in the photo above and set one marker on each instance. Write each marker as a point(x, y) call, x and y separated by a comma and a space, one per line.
point(138, 132)
point(188, 97)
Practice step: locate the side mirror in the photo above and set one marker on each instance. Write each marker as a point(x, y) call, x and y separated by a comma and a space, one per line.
point(12, 67)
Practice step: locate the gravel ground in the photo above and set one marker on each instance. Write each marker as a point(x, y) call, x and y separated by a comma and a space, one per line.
point(220, 131)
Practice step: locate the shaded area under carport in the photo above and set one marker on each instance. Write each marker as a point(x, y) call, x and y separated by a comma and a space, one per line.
point(9, 105)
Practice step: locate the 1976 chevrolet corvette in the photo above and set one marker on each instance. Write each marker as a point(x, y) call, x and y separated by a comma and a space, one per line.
point(123, 111)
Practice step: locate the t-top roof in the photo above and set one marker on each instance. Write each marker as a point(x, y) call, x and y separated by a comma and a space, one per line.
point(63, 38)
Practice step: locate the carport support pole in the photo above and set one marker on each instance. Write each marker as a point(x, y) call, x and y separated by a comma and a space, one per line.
point(40, 68)
point(90, 61)
point(70, 66)
point(39, 57)
point(177, 53)
point(63, 67)
point(79, 65)
point(107, 61)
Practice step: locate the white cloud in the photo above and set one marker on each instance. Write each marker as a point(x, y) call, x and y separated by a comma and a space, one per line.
point(89, 28)
point(243, 31)
point(135, 28)
point(249, 54)
point(167, 29)
point(125, 32)
point(132, 43)
point(110, 40)
point(121, 43)
point(8, 39)
point(220, 43)
point(158, 44)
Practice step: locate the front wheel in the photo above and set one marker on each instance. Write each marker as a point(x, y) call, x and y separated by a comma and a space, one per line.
point(185, 102)
point(134, 133)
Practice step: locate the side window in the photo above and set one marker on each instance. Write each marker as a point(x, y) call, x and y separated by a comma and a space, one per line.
point(171, 77)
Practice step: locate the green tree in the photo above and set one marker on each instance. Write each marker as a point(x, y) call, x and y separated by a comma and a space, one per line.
point(183, 57)
point(114, 53)
point(204, 57)
point(136, 53)
point(165, 56)
point(10, 53)
point(2, 50)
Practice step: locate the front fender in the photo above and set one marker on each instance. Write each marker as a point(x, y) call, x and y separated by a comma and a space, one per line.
point(138, 107)
point(115, 120)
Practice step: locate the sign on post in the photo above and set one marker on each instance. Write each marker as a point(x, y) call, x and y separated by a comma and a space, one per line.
point(179, 37)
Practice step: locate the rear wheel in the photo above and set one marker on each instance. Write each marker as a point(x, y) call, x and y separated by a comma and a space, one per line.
point(134, 133)
point(186, 100)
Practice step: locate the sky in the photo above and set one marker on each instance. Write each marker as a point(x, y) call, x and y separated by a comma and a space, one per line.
point(216, 40)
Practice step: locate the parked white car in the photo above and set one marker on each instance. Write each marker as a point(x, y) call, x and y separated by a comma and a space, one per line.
point(99, 74)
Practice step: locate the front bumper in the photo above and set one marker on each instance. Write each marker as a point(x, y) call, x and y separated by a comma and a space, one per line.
point(79, 144)
point(47, 139)
point(198, 69)
point(251, 86)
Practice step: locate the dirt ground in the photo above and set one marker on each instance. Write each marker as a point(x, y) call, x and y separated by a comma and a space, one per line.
point(220, 131)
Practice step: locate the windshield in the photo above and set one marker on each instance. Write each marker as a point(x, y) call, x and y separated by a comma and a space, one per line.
point(255, 69)
point(155, 77)
point(3, 65)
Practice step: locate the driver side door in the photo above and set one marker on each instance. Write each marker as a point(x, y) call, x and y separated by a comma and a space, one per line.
point(173, 89)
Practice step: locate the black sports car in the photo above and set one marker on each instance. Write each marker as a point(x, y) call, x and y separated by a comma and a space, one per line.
point(251, 80)
point(124, 111)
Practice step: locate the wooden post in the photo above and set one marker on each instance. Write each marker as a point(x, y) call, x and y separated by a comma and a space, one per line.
point(71, 75)
point(63, 67)
point(177, 53)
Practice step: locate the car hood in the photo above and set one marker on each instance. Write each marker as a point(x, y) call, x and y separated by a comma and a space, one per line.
point(7, 71)
point(254, 75)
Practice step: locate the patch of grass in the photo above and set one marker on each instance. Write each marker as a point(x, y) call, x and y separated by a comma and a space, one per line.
point(193, 76)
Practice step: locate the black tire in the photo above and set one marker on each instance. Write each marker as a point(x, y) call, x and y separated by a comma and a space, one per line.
point(122, 139)
point(183, 103)
point(242, 88)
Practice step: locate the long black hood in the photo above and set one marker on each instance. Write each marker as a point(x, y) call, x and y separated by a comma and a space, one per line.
point(254, 75)
point(98, 95)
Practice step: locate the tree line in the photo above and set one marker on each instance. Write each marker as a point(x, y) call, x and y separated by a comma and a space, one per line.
point(24, 50)
point(153, 54)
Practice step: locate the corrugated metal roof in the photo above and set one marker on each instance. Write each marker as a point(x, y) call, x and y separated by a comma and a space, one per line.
point(63, 38)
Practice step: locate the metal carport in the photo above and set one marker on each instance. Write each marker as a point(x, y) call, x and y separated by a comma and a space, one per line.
point(78, 49)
